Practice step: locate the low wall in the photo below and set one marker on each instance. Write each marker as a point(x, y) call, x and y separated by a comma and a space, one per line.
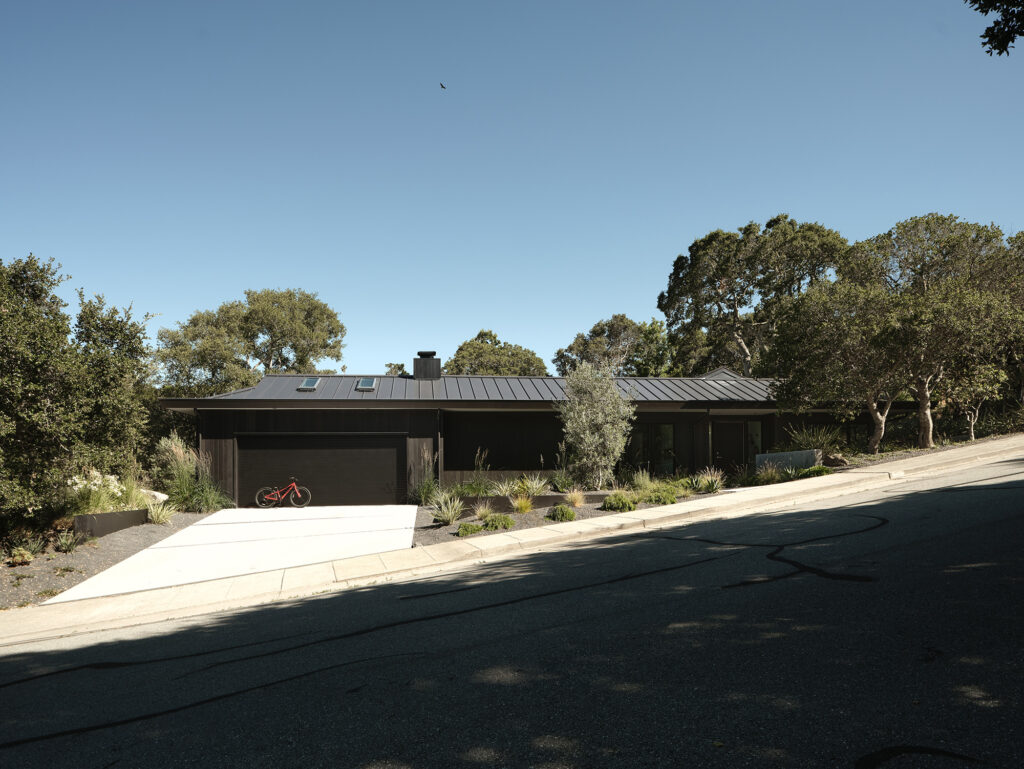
point(101, 524)
point(784, 459)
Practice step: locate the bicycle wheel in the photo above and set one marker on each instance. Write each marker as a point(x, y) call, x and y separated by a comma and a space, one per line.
point(261, 497)
point(300, 498)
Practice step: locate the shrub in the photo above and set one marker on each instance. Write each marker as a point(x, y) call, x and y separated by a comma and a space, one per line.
point(475, 487)
point(562, 513)
point(522, 504)
point(66, 541)
point(575, 497)
point(686, 483)
point(447, 507)
point(532, 485)
point(814, 472)
point(561, 481)
point(483, 510)
point(596, 421)
point(768, 474)
point(640, 480)
point(805, 437)
point(468, 529)
point(709, 480)
point(496, 522)
point(423, 493)
point(619, 502)
point(20, 556)
point(160, 513)
point(661, 495)
point(171, 458)
point(192, 488)
point(506, 487)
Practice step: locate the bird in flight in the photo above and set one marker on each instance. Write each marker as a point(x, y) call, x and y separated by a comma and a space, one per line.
point(443, 87)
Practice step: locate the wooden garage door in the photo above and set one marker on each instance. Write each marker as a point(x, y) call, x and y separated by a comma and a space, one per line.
point(338, 469)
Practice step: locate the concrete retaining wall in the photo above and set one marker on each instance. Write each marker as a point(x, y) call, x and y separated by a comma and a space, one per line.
point(784, 459)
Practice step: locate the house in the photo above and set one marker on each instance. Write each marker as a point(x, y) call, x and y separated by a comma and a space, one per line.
point(363, 439)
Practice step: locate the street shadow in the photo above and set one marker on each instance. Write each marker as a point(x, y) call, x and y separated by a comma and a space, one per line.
point(851, 635)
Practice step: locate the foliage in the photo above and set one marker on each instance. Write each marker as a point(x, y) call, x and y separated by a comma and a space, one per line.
point(561, 480)
point(999, 36)
point(808, 437)
point(709, 480)
point(945, 283)
point(619, 502)
point(270, 332)
point(574, 497)
point(114, 354)
point(21, 556)
point(160, 513)
point(483, 510)
point(640, 481)
point(661, 494)
point(468, 529)
point(497, 522)
point(562, 513)
point(724, 273)
point(486, 354)
point(66, 541)
point(423, 492)
point(838, 344)
point(447, 507)
point(768, 473)
point(969, 386)
point(191, 487)
point(532, 485)
point(395, 369)
point(815, 471)
point(40, 402)
point(505, 487)
point(596, 422)
point(521, 504)
point(626, 347)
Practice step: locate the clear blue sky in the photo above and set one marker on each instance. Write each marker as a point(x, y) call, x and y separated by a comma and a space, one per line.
point(171, 155)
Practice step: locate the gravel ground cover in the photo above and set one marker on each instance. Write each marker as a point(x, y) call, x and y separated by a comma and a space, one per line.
point(430, 533)
point(52, 573)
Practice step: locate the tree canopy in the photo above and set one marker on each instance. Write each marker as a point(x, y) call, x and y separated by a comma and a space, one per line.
point(69, 396)
point(999, 36)
point(730, 287)
point(626, 347)
point(486, 354)
point(270, 332)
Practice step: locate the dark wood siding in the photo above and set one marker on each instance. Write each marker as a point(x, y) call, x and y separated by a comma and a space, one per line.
point(219, 429)
point(513, 440)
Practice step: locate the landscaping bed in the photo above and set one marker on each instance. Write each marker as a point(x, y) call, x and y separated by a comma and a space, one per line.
point(51, 573)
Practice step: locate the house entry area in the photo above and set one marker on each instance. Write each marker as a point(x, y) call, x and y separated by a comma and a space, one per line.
point(337, 469)
point(735, 443)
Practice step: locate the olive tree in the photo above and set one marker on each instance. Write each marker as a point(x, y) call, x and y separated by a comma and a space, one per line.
point(596, 420)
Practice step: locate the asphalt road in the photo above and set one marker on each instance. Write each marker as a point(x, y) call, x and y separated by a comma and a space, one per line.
point(880, 631)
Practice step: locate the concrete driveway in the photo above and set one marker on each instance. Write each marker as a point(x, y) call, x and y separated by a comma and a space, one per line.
point(231, 543)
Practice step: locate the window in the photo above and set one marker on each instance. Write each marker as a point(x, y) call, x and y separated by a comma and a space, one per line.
point(309, 384)
point(366, 385)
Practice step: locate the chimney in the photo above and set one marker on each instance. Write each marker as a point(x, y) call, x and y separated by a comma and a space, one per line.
point(426, 366)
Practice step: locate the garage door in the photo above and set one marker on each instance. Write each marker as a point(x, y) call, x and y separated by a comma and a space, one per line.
point(338, 469)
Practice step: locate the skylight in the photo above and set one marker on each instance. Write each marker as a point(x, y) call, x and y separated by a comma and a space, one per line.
point(309, 384)
point(366, 385)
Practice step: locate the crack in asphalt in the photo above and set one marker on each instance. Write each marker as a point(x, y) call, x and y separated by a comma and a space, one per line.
point(883, 756)
point(118, 665)
point(799, 566)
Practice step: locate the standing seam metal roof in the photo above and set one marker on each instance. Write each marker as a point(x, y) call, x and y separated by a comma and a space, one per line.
point(501, 388)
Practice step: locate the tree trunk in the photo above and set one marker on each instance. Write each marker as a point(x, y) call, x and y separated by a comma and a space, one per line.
point(924, 414)
point(736, 335)
point(972, 418)
point(878, 416)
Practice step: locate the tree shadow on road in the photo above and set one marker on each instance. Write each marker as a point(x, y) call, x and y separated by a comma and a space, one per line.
point(842, 636)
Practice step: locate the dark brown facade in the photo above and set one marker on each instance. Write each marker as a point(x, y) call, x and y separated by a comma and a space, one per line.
point(363, 455)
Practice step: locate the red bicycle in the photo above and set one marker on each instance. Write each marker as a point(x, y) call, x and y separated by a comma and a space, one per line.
point(297, 496)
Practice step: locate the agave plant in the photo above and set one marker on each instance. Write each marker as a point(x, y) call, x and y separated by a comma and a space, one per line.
point(532, 485)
